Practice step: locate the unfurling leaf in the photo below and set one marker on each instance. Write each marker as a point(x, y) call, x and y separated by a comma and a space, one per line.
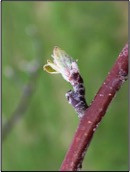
point(62, 63)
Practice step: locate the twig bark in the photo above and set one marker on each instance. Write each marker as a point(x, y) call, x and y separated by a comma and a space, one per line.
point(93, 115)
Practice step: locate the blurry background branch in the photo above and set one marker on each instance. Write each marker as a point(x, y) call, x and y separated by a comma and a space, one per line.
point(20, 110)
point(33, 68)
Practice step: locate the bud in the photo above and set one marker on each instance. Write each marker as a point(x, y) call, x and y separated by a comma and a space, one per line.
point(67, 67)
point(62, 63)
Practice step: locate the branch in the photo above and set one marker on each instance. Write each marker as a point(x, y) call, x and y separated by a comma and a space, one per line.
point(29, 88)
point(93, 115)
point(24, 101)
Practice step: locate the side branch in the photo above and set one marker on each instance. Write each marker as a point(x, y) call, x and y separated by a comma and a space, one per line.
point(93, 115)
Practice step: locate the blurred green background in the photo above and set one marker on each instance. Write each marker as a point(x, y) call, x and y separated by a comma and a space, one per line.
point(92, 32)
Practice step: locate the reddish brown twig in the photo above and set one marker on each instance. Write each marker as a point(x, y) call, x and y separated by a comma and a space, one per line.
point(94, 114)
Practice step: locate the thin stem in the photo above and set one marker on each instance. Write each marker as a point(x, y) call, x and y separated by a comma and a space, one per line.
point(93, 115)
